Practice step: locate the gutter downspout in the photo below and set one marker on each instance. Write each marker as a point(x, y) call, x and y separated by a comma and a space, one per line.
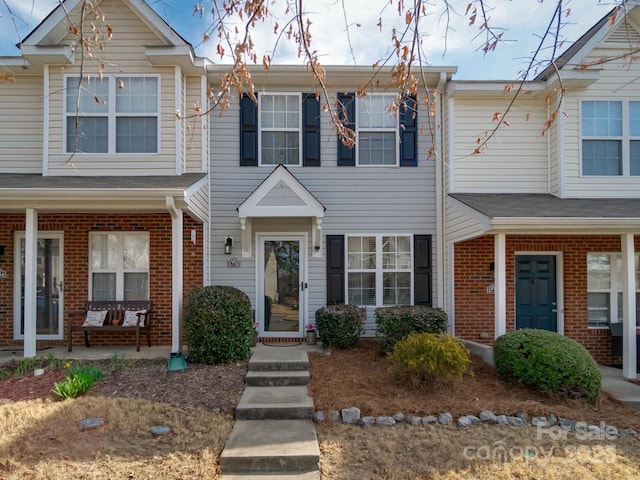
point(176, 274)
point(440, 201)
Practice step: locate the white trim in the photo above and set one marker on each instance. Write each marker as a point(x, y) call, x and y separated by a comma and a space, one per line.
point(452, 148)
point(204, 124)
point(177, 83)
point(45, 121)
point(629, 288)
point(562, 180)
point(359, 129)
point(177, 284)
point(500, 274)
point(30, 282)
point(303, 296)
point(281, 129)
point(559, 274)
point(452, 286)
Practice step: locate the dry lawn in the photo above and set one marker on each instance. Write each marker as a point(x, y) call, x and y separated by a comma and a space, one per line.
point(363, 378)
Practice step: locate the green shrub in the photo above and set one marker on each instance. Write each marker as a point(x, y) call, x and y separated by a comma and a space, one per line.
point(549, 362)
point(427, 357)
point(79, 380)
point(340, 326)
point(219, 324)
point(397, 323)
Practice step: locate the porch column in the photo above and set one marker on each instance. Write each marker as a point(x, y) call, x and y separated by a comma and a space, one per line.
point(628, 307)
point(176, 275)
point(30, 282)
point(500, 281)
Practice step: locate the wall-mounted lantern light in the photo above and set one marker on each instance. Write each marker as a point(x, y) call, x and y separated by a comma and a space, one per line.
point(227, 245)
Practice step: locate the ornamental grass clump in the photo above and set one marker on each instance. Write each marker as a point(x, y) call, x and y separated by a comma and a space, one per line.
point(219, 324)
point(78, 382)
point(428, 358)
point(549, 362)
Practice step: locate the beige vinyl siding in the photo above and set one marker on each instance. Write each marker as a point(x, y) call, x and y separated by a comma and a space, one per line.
point(357, 199)
point(124, 55)
point(516, 157)
point(195, 124)
point(556, 139)
point(618, 81)
point(461, 226)
point(21, 130)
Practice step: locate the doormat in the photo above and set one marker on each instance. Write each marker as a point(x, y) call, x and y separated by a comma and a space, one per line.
point(282, 344)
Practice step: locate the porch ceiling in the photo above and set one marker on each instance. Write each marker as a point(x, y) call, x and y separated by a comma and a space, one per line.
point(545, 213)
point(96, 194)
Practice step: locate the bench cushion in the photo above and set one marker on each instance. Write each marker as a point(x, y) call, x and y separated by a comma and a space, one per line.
point(95, 318)
point(131, 317)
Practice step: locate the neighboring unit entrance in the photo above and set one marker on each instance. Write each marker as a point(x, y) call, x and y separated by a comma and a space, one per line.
point(536, 302)
point(281, 286)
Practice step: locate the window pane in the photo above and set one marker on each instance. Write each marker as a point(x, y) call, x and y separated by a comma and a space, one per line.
point(602, 157)
point(377, 148)
point(598, 308)
point(601, 118)
point(94, 95)
point(397, 288)
point(280, 111)
point(362, 288)
point(373, 112)
point(137, 95)
point(280, 148)
point(634, 119)
point(634, 159)
point(92, 135)
point(136, 135)
point(598, 272)
point(136, 252)
point(104, 248)
point(103, 286)
point(361, 253)
point(396, 253)
point(136, 286)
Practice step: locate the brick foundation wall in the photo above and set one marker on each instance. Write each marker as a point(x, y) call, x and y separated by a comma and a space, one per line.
point(76, 228)
point(474, 307)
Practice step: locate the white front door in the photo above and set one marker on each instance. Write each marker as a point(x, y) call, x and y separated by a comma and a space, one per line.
point(49, 291)
point(282, 285)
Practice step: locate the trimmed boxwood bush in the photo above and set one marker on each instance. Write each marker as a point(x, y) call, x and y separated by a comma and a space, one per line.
point(219, 324)
point(397, 323)
point(340, 326)
point(549, 362)
point(425, 358)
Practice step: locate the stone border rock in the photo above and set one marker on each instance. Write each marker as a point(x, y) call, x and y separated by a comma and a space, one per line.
point(352, 416)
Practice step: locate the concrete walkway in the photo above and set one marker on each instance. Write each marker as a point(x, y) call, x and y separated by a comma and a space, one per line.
point(619, 387)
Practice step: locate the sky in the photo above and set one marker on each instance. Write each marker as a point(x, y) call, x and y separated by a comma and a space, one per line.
point(520, 21)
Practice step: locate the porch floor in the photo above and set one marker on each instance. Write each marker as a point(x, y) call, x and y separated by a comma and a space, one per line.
point(94, 353)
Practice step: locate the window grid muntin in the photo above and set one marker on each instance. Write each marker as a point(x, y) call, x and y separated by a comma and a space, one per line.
point(290, 128)
point(373, 118)
point(113, 91)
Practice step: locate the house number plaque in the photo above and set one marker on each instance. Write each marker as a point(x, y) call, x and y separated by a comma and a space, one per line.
point(3, 273)
point(233, 263)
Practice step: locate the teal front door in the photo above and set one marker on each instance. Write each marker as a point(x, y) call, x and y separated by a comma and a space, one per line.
point(536, 302)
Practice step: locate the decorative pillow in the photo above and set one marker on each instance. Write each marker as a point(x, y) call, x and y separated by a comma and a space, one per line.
point(131, 317)
point(95, 318)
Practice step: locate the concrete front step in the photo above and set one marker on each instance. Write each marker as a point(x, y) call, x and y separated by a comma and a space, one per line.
point(278, 359)
point(271, 446)
point(276, 378)
point(290, 403)
point(315, 475)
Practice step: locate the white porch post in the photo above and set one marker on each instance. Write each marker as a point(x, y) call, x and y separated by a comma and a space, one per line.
point(628, 307)
point(176, 275)
point(30, 282)
point(500, 279)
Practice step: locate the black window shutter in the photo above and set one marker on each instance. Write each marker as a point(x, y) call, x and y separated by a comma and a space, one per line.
point(409, 133)
point(248, 132)
point(311, 130)
point(346, 155)
point(335, 269)
point(422, 270)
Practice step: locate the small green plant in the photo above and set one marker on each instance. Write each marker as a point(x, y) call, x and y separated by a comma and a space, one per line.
point(28, 365)
point(425, 358)
point(79, 380)
point(219, 324)
point(340, 326)
point(398, 322)
point(549, 362)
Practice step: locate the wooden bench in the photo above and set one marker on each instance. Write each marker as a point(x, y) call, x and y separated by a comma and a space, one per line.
point(115, 315)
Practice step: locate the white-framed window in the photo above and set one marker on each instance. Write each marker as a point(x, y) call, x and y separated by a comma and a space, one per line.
point(379, 269)
point(377, 131)
point(112, 114)
point(604, 288)
point(119, 265)
point(610, 131)
point(280, 129)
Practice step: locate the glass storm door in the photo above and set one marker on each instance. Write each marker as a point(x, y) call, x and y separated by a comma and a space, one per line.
point(282, 286)
point(48, 287)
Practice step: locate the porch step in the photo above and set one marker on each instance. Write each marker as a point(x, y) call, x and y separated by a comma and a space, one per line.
point(285, 403)
point(278, 359)
point(277, 378)
point(271, 446)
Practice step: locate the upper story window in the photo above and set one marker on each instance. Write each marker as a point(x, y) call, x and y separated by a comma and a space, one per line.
point(280, 129)
point(112, 114)
point(604, 288)
point(610, 137)
point(377, 131)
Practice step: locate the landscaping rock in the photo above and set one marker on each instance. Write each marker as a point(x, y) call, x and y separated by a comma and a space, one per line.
point(515, 421)
point(398, 417)
point(350, 415)
point(540, 422)
point(567, 424)
point(386, 421)
point(159, 431)
point(429, 420)
point(90, 423)
point(319, 417)
point(468, 420)
point(502, 420)
point(335, 417)
point(445, 419)
point(413, 420)
point(367, 422)
point(594, 429)
point(627, 432)
point(553, 420)
point(487, 416)
point(523, 416)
